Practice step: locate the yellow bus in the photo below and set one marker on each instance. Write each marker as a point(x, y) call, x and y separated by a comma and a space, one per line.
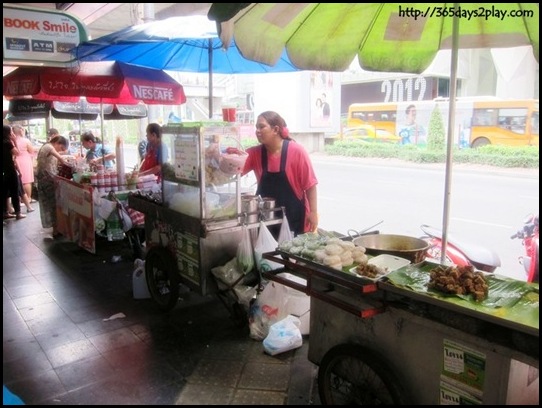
point(479, 121)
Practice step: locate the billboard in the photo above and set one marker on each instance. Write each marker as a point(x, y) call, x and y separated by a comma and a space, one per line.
point(39, 37)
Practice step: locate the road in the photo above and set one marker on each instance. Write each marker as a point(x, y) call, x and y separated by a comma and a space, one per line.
point(487, 204)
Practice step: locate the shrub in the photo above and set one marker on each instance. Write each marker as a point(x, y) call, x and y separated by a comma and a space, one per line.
point(500, 156)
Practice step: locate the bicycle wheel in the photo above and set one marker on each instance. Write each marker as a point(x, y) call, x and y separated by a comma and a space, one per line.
point(354, 375)
point(162, 278)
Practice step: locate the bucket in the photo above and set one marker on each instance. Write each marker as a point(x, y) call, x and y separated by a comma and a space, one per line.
point(267, 205)
point(228, 114)
point(139, 281)
point(249, 204)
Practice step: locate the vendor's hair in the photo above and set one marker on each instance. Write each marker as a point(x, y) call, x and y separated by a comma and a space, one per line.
point(60, 139)
point(88, 136)
point(155, 128)
point(274, 119)
point(7, 132)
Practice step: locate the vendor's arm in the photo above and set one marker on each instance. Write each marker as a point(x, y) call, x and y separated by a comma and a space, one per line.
point(60, 158)
point(153, 170)
point(312, 197)
point(102, 159)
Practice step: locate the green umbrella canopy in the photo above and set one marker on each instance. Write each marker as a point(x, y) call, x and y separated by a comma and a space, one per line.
point(391, 37)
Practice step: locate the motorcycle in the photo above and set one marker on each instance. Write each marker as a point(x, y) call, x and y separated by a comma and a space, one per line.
point(459, 253)
point(529, 236)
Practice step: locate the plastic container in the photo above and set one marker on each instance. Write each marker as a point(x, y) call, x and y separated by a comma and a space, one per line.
point(228, 114)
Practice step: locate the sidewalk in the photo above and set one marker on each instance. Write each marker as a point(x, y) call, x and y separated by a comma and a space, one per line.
point(64, 344)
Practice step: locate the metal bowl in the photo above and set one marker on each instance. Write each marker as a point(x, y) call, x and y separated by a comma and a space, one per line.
point(413, 249)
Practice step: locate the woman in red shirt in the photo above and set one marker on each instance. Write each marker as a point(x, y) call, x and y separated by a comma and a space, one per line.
point(284, 171)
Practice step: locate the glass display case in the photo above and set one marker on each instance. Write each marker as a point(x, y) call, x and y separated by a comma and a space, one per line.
point(194, 184)
point(204, 204)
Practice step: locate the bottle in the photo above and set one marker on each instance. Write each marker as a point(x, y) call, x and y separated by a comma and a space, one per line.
point(114, 228)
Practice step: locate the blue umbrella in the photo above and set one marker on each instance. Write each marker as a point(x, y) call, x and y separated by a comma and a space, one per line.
point(184, 44)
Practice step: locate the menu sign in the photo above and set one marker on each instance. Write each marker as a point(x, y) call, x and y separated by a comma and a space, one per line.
point(39, 36)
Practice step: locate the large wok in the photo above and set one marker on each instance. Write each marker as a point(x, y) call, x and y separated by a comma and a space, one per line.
point(410, 248)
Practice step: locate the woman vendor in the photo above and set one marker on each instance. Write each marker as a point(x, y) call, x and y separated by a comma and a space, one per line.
point(96, 152)
point(284, 171)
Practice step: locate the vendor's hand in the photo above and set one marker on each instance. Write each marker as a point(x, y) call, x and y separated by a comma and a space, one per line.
point(313, 221)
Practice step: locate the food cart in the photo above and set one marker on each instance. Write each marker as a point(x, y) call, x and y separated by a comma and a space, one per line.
point(383, 341)
point(85, 211)
point(197, 222)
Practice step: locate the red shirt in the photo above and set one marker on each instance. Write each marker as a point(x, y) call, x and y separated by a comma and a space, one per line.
point(299, 169)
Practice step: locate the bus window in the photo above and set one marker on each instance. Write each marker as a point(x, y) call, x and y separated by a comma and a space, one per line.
point(489, 121)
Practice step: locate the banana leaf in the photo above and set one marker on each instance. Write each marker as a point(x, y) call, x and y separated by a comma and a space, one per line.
point(507, 298)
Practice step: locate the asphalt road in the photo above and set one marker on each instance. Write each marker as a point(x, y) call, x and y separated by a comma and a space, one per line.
point(487, 204)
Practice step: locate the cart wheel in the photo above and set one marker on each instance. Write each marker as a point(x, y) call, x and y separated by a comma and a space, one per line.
point(354, 375)
point(162, 278)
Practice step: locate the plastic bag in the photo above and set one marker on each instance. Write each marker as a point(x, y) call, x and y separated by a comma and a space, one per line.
point(124, 217)
point(228, 273)
point(283, 336)
point(245, 252)
point(268, 308)
point(285, 233)
point(265, 243)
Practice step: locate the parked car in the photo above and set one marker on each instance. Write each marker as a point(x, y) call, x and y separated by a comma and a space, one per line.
point(367, 133)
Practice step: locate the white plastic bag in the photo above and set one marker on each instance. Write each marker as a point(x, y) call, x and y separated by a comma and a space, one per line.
point(265, 243)
point(268, 308)
point(228, 273)
point(283, 336)
point(245, 252)
point(285, 234)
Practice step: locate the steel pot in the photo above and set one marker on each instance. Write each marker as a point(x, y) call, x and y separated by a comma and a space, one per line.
point(413, 249)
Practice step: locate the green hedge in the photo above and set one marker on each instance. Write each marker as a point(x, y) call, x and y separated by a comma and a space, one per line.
point(500, 156)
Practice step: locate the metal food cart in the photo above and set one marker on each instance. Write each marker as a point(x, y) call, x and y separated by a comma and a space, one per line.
point(197, 222)
point(377, 343)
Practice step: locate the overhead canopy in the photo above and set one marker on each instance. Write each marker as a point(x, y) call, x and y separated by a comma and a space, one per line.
point(389, 37)
point(100, 82)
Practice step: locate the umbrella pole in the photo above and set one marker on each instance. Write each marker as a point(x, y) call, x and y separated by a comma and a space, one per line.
point(102, 129)
point(450, 139)
point(210, 50)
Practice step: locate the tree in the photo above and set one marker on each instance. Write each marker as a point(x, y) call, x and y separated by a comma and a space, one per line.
point(436, 136)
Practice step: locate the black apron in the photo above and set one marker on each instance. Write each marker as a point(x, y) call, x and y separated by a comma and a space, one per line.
point(276, 185)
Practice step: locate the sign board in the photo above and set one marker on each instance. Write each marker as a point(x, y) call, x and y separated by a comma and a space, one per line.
point(39, 36)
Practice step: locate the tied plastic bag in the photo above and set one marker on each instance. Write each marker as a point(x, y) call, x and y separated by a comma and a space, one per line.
point(245, 252)
point(283, 336)
point(285, 234)
point(265, 243)
point(268, 308)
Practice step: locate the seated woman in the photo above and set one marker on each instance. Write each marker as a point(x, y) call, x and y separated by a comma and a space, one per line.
point(97, 153)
